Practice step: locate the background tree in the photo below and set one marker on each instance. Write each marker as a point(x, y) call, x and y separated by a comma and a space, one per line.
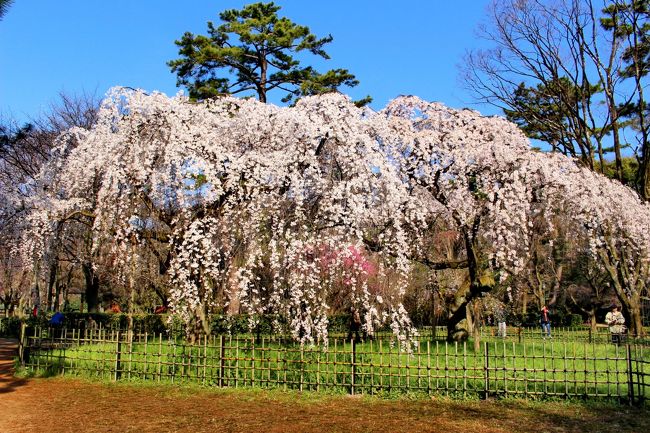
point(629, 20)
point(24, 152)
point(253, 52)
point(558, 69)
point(4, 6)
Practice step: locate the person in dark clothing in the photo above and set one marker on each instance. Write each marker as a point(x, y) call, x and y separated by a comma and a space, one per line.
point(355, 325)
point(57, 319)
point(56, 322)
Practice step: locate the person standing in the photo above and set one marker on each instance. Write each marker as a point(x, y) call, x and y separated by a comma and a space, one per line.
point(355, 325)
point(546, 322)
point(616, 323)
point(500, 317)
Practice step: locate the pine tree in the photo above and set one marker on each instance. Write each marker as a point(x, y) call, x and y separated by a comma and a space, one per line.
point(253, 52)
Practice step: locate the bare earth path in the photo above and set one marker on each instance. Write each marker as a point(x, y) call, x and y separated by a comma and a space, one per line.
point(71, 405)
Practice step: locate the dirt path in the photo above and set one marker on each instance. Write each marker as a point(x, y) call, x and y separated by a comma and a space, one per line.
point(70, 405)
point(8, 350)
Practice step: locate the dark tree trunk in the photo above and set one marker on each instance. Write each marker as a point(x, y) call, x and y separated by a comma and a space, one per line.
point(458, 327)
point(92, 287)
point(54, 269)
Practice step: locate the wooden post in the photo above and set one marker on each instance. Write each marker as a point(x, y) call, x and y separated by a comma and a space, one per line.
point(630, 377)
point(302, 366)
point(487, 369)
point(22, 344)
point(222, 355)
point(130, 339)
point(354, 365)
point(253, 359)
point(205, 357)
point(160, 355)
point(118, 349)
point(320, 352)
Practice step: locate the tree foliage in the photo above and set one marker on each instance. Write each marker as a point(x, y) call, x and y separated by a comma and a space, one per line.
point(254, 51)
point(4, 6)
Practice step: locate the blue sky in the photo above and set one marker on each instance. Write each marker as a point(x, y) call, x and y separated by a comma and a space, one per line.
point(393, 47)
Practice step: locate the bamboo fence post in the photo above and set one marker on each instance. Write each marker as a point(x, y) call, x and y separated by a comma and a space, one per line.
point(130, 337)
point(118, 348)
point(545, 370)
point(318, 362)
point(334, 363)
point(526, 373)
point(630, 379)
point(437, 366)
point(23, 344)
point(429, 367)
point(419, 368)
point(222, 353)
point(268, 359)
point(398, 352)
point(584, 352)
point(372, 367)
point(236, 360)
point(514, 367)
point(566, 373)
point(173, 360)
point(38, 358)
point(284, 366)
point(160, 356)
point(381, 365)
point(145, 365)
point(464, 369)
point(407, 365)
point(205, 359)
point(252, 360)
point(595, 367)
point(353, 353)
point(302, 366)
point(277, 364)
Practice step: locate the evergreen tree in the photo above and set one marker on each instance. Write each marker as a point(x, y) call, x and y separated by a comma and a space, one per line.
point(4, 6)
point(253, 51)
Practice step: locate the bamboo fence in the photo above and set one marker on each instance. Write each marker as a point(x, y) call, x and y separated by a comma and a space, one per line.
point(531, 369)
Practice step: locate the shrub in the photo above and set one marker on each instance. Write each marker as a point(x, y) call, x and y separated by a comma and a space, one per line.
point(10, 327)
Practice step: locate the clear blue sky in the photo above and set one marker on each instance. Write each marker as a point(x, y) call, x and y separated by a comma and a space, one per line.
point(393, 47)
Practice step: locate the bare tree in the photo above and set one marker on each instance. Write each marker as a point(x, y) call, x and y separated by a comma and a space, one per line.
point(555, 69)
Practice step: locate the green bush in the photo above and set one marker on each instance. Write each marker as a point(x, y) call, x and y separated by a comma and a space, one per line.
point(575, 320)
point(10, 327)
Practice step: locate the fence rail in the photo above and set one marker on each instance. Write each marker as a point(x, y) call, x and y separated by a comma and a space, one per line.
point(498, 368)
